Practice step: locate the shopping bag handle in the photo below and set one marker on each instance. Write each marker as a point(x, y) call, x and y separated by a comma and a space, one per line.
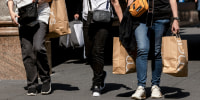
point(177, 35)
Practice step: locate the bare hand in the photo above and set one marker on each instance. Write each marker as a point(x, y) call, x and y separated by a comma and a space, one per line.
point(76, 16)
point(13, 17)
point(175, 27)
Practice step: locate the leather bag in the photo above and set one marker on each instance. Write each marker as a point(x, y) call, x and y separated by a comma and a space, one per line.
point(28, 13)
point(101, 15)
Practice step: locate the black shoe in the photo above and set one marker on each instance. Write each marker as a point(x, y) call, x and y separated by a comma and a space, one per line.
point(96, 91)
point(101, 81)
point(32, 92)
point(46, 88)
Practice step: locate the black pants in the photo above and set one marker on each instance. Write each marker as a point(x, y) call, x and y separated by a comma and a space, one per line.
point(95, 37)
point(34, 53)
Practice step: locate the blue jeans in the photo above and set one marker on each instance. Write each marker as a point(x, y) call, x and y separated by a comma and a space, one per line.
point(146, 38)
point(198, 5)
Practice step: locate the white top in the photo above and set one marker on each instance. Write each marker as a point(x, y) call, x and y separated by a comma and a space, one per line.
point(43, 9)
point(96, 4)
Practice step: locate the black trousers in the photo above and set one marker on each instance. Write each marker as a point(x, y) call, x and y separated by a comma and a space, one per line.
point(95, 37)
point(34, 53)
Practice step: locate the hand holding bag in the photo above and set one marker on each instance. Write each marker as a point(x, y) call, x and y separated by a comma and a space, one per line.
point(174, 56)
point(28, 13)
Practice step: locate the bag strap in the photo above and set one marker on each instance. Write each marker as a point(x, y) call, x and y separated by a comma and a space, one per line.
point(90, 4)
point(36, 2)
point(151, 10)
point(107, 5)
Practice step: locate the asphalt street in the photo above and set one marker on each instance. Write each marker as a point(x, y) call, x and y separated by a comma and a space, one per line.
point(72, 80)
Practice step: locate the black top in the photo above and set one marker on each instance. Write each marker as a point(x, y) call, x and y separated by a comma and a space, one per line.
point(162, 9)
point(73, 7)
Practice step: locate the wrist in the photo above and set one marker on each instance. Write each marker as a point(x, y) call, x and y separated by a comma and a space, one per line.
point(176, 18)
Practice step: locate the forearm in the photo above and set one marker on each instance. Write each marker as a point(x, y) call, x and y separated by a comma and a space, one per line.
point(175, 23)
point(10, 6)
point(174, 8)
point(117, 8)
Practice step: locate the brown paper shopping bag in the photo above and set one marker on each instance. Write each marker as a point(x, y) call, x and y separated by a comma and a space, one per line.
point(175, 56)
point(122, 62)
point(58, 21)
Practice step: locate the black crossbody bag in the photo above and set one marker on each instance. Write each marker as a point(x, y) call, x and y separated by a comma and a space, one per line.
point(28, 13)
point(99, 15)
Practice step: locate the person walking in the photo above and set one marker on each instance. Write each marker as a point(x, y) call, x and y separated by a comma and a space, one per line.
point(151, 36)
point(95, 37)
point(32, 39)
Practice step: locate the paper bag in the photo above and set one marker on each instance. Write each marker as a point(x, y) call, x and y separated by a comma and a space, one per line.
point(174, 56)
point(58, 20)
point(122, 62)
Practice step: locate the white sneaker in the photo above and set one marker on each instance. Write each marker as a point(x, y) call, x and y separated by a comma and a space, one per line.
point(139, 93)
point(155, 92)
point(96, 92)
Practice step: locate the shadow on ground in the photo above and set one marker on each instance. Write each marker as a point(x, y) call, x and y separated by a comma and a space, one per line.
point(113, 86)
point(64, 87)
point(193, 41)
point(168, 92)
point(58, 86)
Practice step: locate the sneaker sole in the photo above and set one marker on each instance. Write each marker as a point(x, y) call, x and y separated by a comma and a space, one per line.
point(48, 92)
point(96, 94)
point(138, 98)
point(155, 97)
point(31, 94)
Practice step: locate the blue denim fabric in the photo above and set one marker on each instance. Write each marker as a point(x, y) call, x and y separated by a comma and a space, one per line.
point(146, 38)
point(198, 5)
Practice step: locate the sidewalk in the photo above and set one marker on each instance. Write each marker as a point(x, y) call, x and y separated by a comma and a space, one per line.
point(72, 81)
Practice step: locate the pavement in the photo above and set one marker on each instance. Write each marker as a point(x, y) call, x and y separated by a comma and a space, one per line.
point(72, 80)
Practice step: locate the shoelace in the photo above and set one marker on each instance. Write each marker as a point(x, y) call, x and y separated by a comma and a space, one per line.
point(155, 87)
point(139, 91)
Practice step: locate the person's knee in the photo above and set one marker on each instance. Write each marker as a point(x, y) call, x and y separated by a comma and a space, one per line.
point(142, 50)
point(39, 48)
point(97, 51)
